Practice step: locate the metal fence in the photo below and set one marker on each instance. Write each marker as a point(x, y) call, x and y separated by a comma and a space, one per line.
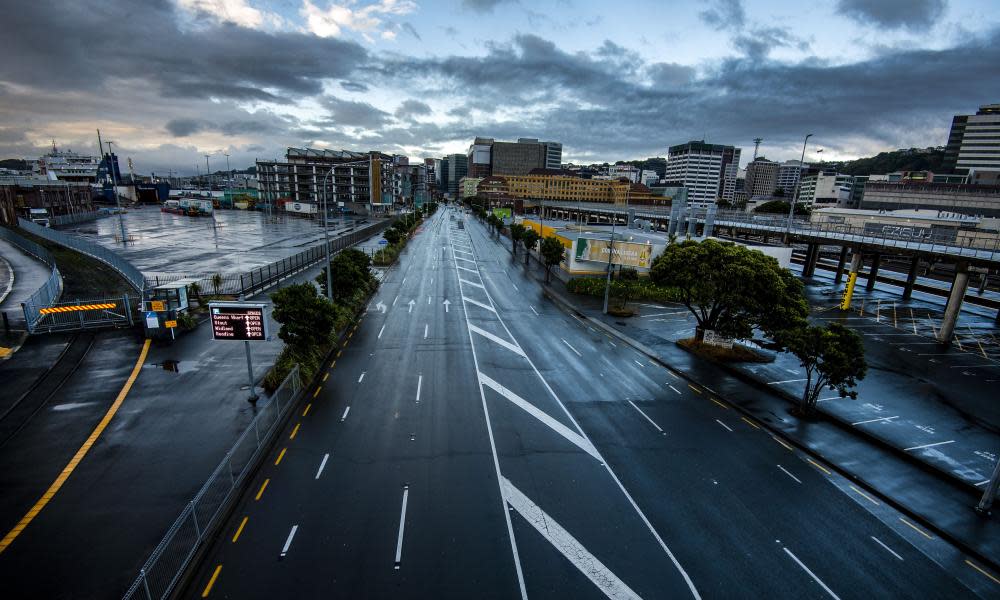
point(49, 291)
point(130, 272)
point(262, 278)
point(162, 571)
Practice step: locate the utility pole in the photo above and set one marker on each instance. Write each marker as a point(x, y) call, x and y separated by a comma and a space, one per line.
point(611, 247)
point(208, 174)
point(798, 188)
point(229, 172)
point(114, 190)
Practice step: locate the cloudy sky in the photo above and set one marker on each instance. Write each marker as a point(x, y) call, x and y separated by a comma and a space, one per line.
point(171, 80)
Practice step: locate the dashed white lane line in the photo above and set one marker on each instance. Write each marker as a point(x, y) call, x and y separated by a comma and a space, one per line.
point(402, 526)
point(533, 310)
point(797, 480)
point(394, 300)
point(381, 331)
point(344, 416)
point(426, 328)
point(288, 541)
point(784, 381)
point(322, 465)
point(886, 419)
point(571, 348)
point(673, 388)
point(362, 377)
point(638, 363)
point(890, 550)
point(728, 428)
point(515, 286)
point(811, 574)
point(420, 383)
point(929, 445)
point(651, 422)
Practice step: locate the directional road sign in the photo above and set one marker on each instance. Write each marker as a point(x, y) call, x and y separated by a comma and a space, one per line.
point(239, 321)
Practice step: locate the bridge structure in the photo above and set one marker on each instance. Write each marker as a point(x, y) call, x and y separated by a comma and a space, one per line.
point(969, 253)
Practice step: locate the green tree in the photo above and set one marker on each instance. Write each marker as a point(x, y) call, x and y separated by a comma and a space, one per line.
point(833, 357)
point(780, 207)
point(528, 239)
point(552, 252)
point(392, 235)
point(217, 283)
point(194, 290)
point(731, 289)
point(516, 233)
point(349, 275)
point(306, 318)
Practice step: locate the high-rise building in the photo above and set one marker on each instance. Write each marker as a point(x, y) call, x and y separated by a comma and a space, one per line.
point(789, 175)
point(458, 167)
point(553, 155)
point(762, 177)
point(708, 171)
point(974, 142)
point(517, 158)
point(478, 157)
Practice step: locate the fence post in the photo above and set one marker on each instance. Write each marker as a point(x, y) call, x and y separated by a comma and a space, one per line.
point(194, 515)
point(145, 584)
point(128, 309)
point(241, 285)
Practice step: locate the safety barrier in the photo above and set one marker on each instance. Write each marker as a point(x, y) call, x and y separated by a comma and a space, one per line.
point(161, 572)
point(130, 272)
point(85, 217)
point(49, 291)
point(119, 311)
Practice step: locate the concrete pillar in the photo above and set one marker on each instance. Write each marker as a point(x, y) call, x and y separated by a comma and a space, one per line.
point(812, 256)
point(958, 289)
point(911, 277)
point(873, 272)
point(840, 266)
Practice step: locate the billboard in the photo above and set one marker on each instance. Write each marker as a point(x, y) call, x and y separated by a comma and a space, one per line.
point(238, 321)
point(503, 213)
point(628, 254)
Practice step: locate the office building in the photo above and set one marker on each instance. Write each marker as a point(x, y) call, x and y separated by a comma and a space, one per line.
point(973, 200)
point(761, 177)
point(974, 142)
point(553, 155)
point(544, 185)
point(789, 176)
point(656, 164)
point(478, 157)
point(827, 188)
point(468, 187)
point(707, 170)
point(458, 167)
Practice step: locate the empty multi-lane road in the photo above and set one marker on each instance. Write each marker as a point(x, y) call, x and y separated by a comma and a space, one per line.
point(471, 440)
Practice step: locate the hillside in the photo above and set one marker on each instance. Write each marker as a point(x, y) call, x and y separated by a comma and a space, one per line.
point(889, 162)
point(14, 163)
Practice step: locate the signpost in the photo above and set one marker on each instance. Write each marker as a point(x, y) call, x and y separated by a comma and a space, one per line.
point(240, 321)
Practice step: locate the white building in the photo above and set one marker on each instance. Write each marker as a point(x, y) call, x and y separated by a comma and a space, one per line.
point(974, 141)
point(708, 171)
point(789, 174)
point(826, 189)
point(629, 172)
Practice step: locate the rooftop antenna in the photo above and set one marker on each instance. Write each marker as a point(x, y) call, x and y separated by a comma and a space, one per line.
point(54, 146)
point(756, 146)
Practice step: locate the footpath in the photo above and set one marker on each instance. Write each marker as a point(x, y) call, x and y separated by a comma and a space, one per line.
point(910, 472)
point(20, 276)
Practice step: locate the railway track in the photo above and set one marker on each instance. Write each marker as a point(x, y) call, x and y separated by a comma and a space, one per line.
point(34, 399)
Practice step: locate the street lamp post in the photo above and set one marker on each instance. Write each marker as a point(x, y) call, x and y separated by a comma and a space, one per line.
point(798, 189)
point(326, 240)
point(611, 247)
point(114, 190)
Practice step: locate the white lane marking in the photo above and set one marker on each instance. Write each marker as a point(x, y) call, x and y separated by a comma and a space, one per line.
point(793, 372)
point(479, 304)
point(420, 383)
point(467, 269)
point(929, 445)
point(588, 564)
point(497, 340)
point(875, 420)
point(467, 282)
point(614, 345)
point(639, 363)
point(672, 387)
point(890, 550)
point(570, 435)
point(652, 422)
point(402, 525)
point(322, 465)
point(362, 376)
point(797, 480)
point(572, 348)
point(785, 381)
point(728, 428)
point(533, 310)
point(982, 483)
point(394, 300)
point(830, 398)
point(288, 542)
point(426, 326)
point(671, 373)
point(404, 281)
point(811, 574)
point(428, 300)
point(464, 251)
point(465, 259)
point(344, 416)
point(515, 286)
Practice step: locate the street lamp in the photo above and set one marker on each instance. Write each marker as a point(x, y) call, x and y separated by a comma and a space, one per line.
point(798, 189)
point(611, 246)
point(326, 240)
point(114, 190)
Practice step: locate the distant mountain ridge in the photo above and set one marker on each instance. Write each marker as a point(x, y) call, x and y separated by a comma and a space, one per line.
point(14, 163)
point(914, 159)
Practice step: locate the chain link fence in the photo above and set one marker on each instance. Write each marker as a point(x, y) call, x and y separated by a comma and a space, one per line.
point(162, 571)
point(48, 292)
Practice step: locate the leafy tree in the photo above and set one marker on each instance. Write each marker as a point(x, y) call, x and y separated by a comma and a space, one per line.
point(780, 207)
point(392, 235)
point(217, 283)
point(528, 239)
point(731, 289)
point(194, 290)
point(552, 252)
point(833, 357)
point(516, 233)
point(306, 318)
point(779, 192)
point(349, 274)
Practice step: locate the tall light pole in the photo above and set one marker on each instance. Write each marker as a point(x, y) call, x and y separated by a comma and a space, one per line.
point(326, 240)
point(229, 171)
point(114, 190)
point(611, 247)
point(798, 188)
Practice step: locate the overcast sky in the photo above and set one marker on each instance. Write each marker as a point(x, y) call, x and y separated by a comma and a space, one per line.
point(171, 80)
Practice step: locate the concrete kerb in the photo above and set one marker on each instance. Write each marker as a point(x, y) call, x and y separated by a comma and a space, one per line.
point(568, 306)
point(10, 280)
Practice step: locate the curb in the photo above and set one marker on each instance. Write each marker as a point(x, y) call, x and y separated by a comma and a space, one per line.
point(568, 306)
point(10, 280)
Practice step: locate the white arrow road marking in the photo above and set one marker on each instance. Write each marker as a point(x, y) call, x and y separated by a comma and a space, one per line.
point(380, 307)
point(529, 408)
point(497, 340)
point(566, 544)
point(410, 303)
point(446, 305)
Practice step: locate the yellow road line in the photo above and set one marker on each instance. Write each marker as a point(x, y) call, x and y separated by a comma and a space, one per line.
point(294, 431)
point(80, 453)
point(316, 393)
point(750, 423)
point(720, 404)
point(239, 530)
point(211, 582)
point(326, 376)
point(783, 443)
point(818, 466)
point(339, 352)
point(864, 495)
point(306, 411)
point(281, 455)
point(333, 364)
point(694, 389)
point(917, 529)
point(981, 570)
point(263, 487)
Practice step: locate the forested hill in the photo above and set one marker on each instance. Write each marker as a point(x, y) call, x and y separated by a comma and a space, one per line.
point(929, 159)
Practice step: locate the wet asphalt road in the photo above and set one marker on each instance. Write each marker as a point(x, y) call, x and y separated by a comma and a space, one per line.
point(497, 448)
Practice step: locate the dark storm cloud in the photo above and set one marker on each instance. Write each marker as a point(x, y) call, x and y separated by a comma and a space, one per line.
point(353, 86)
point(184, 127)
point(80, 45)
point(412, 108)
point(756, 43)
point(724, 14)
point(347, 113)
point(912, 14)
